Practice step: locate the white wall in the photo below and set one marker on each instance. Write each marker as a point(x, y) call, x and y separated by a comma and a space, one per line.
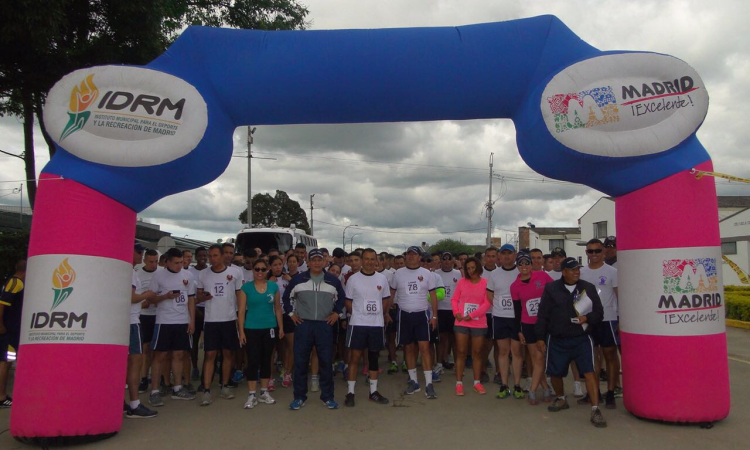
point(570, 244)
point(602, 211)
point(736, 226)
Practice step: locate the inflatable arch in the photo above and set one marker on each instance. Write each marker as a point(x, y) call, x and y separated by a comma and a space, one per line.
point(621, 122)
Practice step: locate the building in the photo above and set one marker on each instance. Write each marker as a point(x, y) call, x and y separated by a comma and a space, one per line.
point(548, 238)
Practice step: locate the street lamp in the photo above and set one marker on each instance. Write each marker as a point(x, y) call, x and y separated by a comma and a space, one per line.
point(343, 236)
point(351, 241)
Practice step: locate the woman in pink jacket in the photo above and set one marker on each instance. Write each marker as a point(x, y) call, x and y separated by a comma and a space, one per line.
point(470, 302)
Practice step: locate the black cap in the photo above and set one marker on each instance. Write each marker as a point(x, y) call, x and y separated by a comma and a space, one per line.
point(610, 242)
point(137, 247)
point(569, 263)
point(315, 253)
point(557, 251)
point(414, 249)
point(446, 255)
point(523, 256)
point(339, 252)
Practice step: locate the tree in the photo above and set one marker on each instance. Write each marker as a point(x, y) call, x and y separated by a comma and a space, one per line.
point(42, 40)
point(276, 211)
point(451, 245)
point(14, 245)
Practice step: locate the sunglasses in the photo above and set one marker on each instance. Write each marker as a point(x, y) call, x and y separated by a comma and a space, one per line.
point(260, 269)
point(595, 250)
point(524, 263)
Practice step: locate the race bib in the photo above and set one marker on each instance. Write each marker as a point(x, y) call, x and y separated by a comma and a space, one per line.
point(506, 304)
point(470, 308)
point(372, 307)
point(218, 290)
point(532, 307)
point(181, 301)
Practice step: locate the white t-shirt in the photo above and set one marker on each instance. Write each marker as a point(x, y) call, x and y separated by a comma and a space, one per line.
point(499, 283)
point(197, 275)
point(450, 279)
point(367, 293)
point(412, 288)
point(145, 277)
point(135, 308)
point(302, 267)
point(555, 275)
point(174, 311)
point(282, 284)
point(223, 286)
point(605, 280)
point(388, 275)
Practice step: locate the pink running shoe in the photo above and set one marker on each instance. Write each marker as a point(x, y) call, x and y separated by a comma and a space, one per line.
point(479, 389)
point(287, 381)
point(271, 385)
point(460, 390)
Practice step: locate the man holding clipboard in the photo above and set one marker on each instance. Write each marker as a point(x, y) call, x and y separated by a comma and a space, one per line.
point(569, 306)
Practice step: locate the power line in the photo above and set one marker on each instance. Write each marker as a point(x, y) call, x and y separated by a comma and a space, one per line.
point(373, 230)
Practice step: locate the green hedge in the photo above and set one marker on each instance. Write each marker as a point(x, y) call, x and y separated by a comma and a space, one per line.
point(738, 303)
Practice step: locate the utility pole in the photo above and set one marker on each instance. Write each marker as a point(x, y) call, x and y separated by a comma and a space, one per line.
point(489, 206)
point(250, 132)
point(312, 233)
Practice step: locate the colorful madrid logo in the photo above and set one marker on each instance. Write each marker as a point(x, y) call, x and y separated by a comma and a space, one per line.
point(62, 279)
point(81, 97)
point(585, 109)
point(687, 276)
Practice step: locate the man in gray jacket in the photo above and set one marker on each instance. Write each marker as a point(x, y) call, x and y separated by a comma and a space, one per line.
point(318, 299)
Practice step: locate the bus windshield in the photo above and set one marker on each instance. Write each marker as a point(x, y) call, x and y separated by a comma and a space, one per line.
point(265, 240)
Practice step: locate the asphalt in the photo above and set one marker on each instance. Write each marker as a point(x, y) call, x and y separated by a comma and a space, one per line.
point(450, 422)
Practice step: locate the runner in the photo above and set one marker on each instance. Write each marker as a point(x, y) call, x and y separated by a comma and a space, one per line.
point(148, 315)
point(391, 327)
point(489, 260)
point(287, 342)
point(301, 251)
point(261, 315)
point(446, 319)
point(469, 303)
point(567, 308)
point(339, 257)
point(548, 264)
point(557, 257)
point(537, 259)
point(504, 330)
point(412, 286)
point(218, 287)
point(526, 293)
point(11, 302)
point(367, 297)
point(610, 251)
point(175, 323)
point(227, 251)
point(605, 334)
point(428, 262)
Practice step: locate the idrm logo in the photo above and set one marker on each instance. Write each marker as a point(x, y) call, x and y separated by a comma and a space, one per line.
point(81, 97)
point(685, 276)
point(584, 109)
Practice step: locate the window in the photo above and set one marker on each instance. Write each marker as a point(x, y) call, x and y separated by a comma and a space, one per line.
point(600, 230)
point(554, 243)
point(729, 248)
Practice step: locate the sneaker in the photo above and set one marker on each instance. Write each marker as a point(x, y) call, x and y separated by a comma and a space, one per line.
point(586, 400)
point(287, 380)
point(182, 394)
point(340, 367)
point(189, 388)
point(429, 392)
point(315, 385)
point(578, 389)
point(436, 377)
point(206, 399)
point(155, 399)
point(141, 412)
point(393, 368)
point(237, 376)
point(597, 419)
point(377, 398)
point(226, 393)
point(460, 390)
point(532, 398)
point(609, 400)
point(518, 393)
point(266, 398)
point(232, 384)
point(558, 405)
point(479, 389)
point(164, 390)
point(297, 404)
point(497, 380)
point(504, 392)
point(271, 385)
point(618, 392)
point(143, 386)
point(549, 395)
point(448, 365)
point(251, 402)
point(404, 369)
point(412, 387)
point(349, 400)
point(125, 408)
point(484, 378)
point(438, 369)
point(331, 404)
point(196, 374)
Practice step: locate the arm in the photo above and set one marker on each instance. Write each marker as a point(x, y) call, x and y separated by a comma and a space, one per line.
point(542, 317)
point(2, 309)
point(455, 300)
point(134, 298)
point(434, 303)
point(191, 309)
point(597, 312)
point(484, 306)
point(241, 307)
point(277, 312)
point(286, 300)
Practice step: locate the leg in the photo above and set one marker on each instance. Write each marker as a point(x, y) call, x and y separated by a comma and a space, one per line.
point(288, 352)
point(504, 361)
point(592, 387)
point(537, 376)
point(324, 346)
point(134, 375)
point(477, 345)
point(148, 357)
point(208, 365)
point(178, 363)
point(253, 351)
point(314, 363)
point(354, 357)
point(410, 354)
point(424, 350)
point(517, 351)
point(4, 368)
point(613, 367)
point(160, 360)
point(391, 336)
point(266, 357)
point(302, 350)
point(226, 368)
point(557, 385)
point(462, 347)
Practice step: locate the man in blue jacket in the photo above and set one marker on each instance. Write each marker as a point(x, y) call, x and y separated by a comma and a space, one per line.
point(314, 300)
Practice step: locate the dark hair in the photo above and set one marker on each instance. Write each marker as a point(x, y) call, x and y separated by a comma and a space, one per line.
point(547, 256)
point(250, 253)
point(535, 250)
point(163, 257)
point(435, 254)
point(227, 244)
point(594, 241)
point(200, 249)
point(187, 251)
point(174, 253)
point(398, 257)
point(262, 255)
point(292, 256)
point(357, 254)
point(261, 261)
point(478, 255)
point(324, 250)
point(300, 245)
point(273, 250)
point(150, 252)
point(337, 265)
point(369, 250)
point(272, 260)
point(215, 247)
point(490, 249)
point(462, 254)
point(478, 265)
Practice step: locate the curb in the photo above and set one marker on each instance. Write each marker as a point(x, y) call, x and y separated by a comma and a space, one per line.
point(738, 324)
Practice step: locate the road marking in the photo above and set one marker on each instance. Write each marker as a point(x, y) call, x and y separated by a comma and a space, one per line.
point(739, 360)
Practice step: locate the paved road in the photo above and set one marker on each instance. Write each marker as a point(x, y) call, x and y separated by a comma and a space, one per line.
point(414, 421)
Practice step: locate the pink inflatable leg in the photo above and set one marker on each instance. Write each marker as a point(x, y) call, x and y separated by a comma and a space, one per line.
point(73, 352)
point(674, 351)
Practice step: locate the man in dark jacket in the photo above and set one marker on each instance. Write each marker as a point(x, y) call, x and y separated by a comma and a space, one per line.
point(567, 310)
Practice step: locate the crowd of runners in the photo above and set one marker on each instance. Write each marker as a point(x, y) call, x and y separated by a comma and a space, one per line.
point(297, 319)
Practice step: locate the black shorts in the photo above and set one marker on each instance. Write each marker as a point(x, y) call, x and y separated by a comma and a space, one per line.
point(490, 327)
point(561, 351)
point(504, 328)
point(147, 328)
point(10, 338)
point(446, 320)
point(200, 316)
point(135, 346)
point(393, 326)
point(289, 325)
point(529, 333)
point(220, 336)
point(172, 337)
point(413, 327)
point(605, 334)
point(361, 337)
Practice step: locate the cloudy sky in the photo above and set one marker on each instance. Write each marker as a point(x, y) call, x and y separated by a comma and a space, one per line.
point(413, 182)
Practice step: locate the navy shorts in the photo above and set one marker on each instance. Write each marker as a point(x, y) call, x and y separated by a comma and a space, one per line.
point(529, 333)
point(136, 340)
point(490, 327)
point(147, 328)
point(504, 328)
point(446, 320)
point(289, 325)
point(220, 336)
point(562, 351)
point(361, 337)
point(170, 337)
point(605, 334)
point(413, 327)
point(393, 326)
